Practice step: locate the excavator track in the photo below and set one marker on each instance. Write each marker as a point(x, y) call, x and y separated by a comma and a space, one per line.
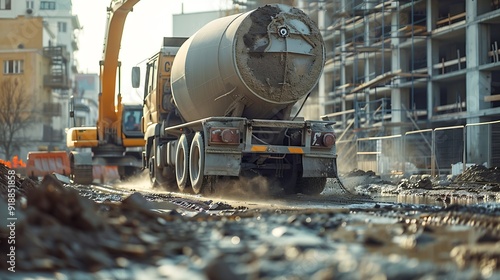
point(82, 174)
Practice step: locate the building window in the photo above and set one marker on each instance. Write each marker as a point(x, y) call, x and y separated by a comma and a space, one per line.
point(61, 26)
point(47, 5)
point(5, 4)
point(30, 4)
point(13, 66)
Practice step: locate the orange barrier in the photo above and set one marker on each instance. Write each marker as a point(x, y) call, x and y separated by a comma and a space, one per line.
point(42, 163)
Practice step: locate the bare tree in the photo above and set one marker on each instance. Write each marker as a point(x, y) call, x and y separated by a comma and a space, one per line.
point(16, 113)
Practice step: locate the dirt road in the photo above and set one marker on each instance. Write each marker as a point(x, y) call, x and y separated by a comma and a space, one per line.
point(131, 232)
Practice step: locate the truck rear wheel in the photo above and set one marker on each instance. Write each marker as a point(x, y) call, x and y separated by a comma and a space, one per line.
point(181, 164)
point(161, 178)
point(311, 185)
point(197, 163)
point(127, 172)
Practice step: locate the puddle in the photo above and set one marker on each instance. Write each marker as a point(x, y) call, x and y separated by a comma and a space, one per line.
point(433, 201)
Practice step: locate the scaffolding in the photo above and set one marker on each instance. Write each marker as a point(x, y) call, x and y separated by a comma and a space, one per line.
point(397, 66)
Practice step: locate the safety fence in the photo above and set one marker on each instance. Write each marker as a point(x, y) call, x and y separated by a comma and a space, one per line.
point(439, 151)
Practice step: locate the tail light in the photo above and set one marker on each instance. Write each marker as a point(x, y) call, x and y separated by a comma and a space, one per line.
point(323, 139)
point(224, 136)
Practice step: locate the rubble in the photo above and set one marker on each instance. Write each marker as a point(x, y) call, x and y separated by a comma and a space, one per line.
point(57, 228)
point(62, 233)
point(479, 174)
point(21, 185)
point(359, 172)
point(476, 184)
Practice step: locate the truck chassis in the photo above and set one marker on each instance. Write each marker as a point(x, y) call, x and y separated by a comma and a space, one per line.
point(299, 155)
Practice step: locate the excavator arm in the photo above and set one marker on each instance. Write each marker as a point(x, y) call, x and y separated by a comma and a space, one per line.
point(111, 142)
point(109, 119)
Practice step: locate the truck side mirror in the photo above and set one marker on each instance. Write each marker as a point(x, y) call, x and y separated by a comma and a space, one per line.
point(136, 76)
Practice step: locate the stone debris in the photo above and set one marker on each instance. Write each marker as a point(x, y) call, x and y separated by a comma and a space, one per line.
point(22, 186)
point(479, 174)
point(63, 233)
point(359, 172)
point(487, 255)
point(475, 185)
point(57, 228)
point(424, 183)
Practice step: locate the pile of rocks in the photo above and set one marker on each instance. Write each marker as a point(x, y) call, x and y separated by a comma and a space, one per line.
point(21, 186)
point(479, 174)
point(57, 228)
point(359, 172)
point(422, 183)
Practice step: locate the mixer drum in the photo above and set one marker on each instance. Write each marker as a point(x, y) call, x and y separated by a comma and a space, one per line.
point(253, 65)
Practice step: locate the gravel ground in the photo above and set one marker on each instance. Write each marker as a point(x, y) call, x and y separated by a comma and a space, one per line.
point(61, 234)
point(477, 184)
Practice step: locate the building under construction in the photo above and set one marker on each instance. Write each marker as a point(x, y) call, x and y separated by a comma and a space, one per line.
point(394, 67)
point(411, 84)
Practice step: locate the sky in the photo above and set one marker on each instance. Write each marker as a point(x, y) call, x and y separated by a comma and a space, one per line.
point(145, 27)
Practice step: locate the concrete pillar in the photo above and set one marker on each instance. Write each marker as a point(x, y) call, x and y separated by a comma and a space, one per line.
point(432, 58)
point(478, 85)
point(399, 61)
point(368, 62)
point(343, 58)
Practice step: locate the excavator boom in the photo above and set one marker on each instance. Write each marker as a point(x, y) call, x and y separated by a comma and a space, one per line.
point(117, 14)
point(112, 142)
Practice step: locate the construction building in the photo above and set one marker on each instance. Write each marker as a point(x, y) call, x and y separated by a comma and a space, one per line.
point(399, 66)
point(402, 67)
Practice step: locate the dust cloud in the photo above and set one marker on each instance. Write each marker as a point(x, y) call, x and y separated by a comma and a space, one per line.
point(244, 188)
point(139, 182)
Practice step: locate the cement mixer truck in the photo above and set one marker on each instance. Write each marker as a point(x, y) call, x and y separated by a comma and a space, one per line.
point(219, 105)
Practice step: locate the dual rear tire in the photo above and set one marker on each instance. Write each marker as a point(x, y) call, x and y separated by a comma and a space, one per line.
point(197, 163)
point(181, 164)
point(160, 176)
point(190, 171)
point(190, 164)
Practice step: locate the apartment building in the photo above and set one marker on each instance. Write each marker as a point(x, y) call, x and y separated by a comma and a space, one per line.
point(37, 41)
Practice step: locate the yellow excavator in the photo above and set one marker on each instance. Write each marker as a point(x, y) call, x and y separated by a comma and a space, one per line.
point(117, 139)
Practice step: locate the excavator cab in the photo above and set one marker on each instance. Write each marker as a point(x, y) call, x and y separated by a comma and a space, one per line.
point(132, 118)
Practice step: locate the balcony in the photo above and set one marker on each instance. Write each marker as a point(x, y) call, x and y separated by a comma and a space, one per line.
point(56, 52)
point(56, 81)
point(58, 71)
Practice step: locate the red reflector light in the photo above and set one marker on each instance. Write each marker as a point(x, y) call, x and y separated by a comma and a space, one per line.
point(323, 139)
point(224, 136)
point(328, 140)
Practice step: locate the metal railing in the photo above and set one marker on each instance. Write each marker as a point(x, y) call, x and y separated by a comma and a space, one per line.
point(428, 151)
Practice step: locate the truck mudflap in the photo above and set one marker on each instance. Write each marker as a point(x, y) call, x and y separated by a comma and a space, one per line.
point(223, 164)
point(319, 167)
